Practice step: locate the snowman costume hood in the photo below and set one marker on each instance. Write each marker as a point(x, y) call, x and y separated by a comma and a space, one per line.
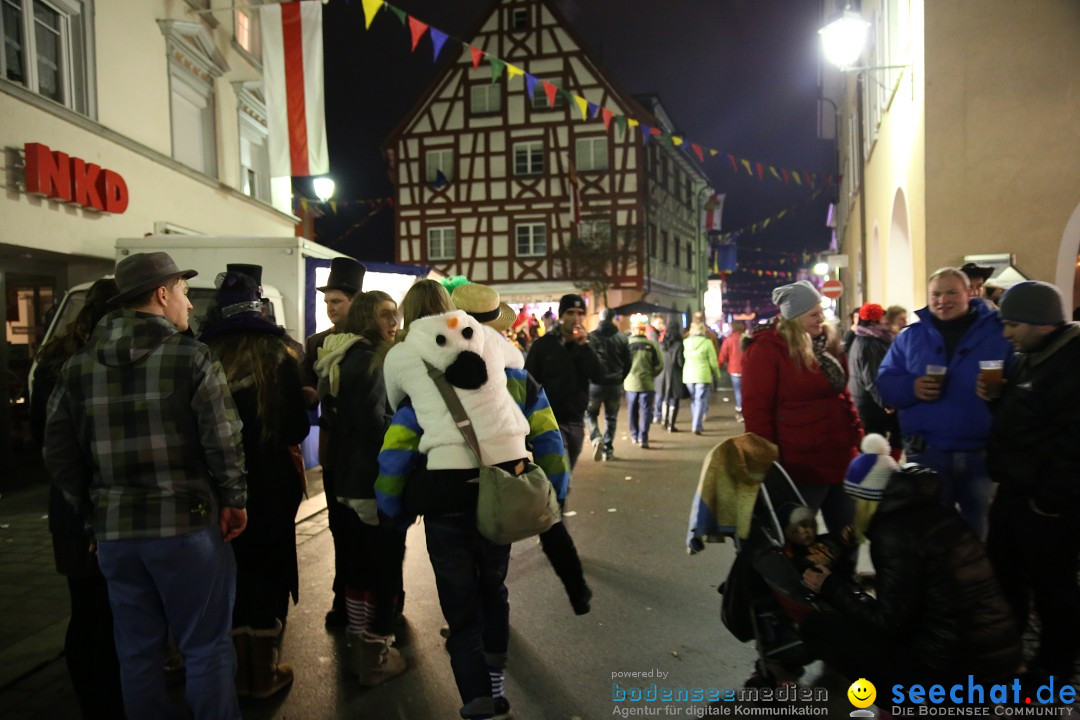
point(474, 358)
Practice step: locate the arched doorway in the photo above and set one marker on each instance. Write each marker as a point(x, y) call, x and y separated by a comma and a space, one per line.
point(1068, 263)
point(899, 288)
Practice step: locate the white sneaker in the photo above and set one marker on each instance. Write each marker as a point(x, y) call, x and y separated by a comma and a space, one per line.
point(597, 449)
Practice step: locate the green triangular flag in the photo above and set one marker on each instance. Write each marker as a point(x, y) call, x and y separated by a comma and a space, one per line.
point(620, 122)
point(497, 67)
point(400, 14)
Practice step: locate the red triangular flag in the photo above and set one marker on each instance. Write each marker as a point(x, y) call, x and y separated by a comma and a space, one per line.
point(607, 115)
point(417, 29)
point(477, 56)
point(697, 151)
point(760, 170)
point(550, 90)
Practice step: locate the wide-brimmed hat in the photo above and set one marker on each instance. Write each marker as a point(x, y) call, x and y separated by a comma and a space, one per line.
point(145, 271)
point(483, 303)
point(977, 271)
point(346, 275)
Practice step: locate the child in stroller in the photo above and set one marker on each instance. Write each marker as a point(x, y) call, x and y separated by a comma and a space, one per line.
point(764, 597)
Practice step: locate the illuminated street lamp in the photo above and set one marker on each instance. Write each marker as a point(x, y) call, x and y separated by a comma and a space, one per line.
point(324, 188)
point(843, 39)
point(821, 268)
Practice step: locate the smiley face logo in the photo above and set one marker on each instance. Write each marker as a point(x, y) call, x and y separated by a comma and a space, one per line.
point(862, 693)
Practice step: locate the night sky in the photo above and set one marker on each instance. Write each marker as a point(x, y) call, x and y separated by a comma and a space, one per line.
point(740, 76)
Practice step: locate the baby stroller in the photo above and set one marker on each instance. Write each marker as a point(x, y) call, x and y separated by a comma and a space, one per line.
point(764, 598)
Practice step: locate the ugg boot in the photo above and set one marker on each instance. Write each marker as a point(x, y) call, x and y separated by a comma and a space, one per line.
point(374, 661)
point(241, 638)
point(268, 675)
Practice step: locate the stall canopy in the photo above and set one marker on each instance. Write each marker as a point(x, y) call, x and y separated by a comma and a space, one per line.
point(641, 306)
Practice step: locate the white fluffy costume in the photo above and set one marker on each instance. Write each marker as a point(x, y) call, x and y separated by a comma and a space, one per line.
point(474, 358)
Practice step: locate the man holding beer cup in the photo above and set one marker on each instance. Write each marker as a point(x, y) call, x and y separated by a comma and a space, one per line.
point(1034, 456)
point(929, 376)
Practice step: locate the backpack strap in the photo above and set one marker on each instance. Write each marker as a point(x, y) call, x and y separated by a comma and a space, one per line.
point(457, 410)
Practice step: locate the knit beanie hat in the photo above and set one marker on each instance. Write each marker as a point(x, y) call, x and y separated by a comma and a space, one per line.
point(1033, 302)
point(793, 513)
point(567, 302)
point(795, 299)
point(871, 312)
point(868, 474)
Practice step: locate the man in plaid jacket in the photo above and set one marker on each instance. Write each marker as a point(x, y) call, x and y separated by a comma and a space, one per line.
point(143, 439)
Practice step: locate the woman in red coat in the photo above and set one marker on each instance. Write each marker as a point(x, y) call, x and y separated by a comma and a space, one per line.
point(795, 395)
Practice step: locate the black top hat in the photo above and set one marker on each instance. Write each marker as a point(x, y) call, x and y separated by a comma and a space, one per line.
point(346, 275)
point(145, 271)
point(252, 271)
point(977, 271)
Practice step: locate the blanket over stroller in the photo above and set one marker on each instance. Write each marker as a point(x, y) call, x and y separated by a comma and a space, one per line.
point(728, 488)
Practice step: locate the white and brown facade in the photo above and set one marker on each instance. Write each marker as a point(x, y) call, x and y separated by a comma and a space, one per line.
point(484, 174)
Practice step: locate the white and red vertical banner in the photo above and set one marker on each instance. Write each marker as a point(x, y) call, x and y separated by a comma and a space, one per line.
point(293, 80)
point(713, 211)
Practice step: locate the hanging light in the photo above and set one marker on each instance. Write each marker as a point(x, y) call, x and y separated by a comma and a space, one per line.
point(324, 188)
point(842, 39)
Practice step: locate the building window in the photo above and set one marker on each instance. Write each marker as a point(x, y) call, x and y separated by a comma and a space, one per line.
point(595, 232)
point(45, 49)
point(247, 31)
point(663, 245)
point(528, 158)
point(254, 147)
point(678, 250)
point(519, 19)
point(531, 239)
point(652, 241)
point(591, 153)
point(194, 64)
point(689, 255)
point(485, 99)
point(442, 243)
point(439, 166)
point(540, 101)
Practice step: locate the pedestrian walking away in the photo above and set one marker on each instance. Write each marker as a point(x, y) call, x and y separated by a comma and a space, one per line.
point(699, 373)
point(647, 360)
point(613, 350)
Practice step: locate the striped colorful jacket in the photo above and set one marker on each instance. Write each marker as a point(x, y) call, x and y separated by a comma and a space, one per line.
point(142, 430)
point(400, 452)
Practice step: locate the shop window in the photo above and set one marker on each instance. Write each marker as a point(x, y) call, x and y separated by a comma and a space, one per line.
point(591, 154)
point(442, 243)
point(46, 49)
point(531, 239)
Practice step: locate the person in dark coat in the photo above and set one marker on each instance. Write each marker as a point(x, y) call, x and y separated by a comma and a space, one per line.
point(669, 385)
point(264, 380)
point(89, 649)
point(868, 349)
point(939, 613)
point(1034, 457)
point(374, 583)
point(613, 350)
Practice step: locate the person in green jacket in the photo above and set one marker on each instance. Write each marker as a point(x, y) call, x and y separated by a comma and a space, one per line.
point(699, 372)
point(647, 360)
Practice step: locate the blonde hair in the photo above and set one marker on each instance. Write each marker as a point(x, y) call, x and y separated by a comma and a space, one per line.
point(950, 272)
point(425, 297)
point(800, 346)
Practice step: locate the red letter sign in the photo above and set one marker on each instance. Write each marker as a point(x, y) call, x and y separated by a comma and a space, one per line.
point(47, 172)
point(55, 175)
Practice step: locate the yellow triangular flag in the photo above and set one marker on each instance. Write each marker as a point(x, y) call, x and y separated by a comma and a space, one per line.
point(583, 105)
point(676, 140)
point(370, 8)
point(713, 152)
point(632, 122)
point(333, 206)
point(513, 71)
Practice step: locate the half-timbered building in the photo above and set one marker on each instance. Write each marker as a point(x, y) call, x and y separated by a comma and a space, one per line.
point(519, 192)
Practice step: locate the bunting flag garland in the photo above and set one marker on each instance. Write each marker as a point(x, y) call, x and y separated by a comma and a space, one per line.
point(377, 203)
point(724, 238)
point(754, 169)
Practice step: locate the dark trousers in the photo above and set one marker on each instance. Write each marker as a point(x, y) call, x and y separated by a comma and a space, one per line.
point(1036, 556)
point(90, 651)
point(573, 437)
point(338, 518)
point(373, 560)
point(608, 396)
point(470, 575)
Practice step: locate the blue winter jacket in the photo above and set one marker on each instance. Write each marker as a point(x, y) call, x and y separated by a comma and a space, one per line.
point(959, 420)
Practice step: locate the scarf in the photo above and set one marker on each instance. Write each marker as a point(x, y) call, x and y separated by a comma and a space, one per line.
point(832, 368)
point(880, 332)
point(328, 366)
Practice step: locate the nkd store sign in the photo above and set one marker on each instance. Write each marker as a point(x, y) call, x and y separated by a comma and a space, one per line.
point(59, 176)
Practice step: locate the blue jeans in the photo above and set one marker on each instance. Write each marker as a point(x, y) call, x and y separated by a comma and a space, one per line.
point(185, 584)
point(470, 575)
point(699, 405)
point(610, 396)
point(965, 483)
point(640, 405)
point(736, 384)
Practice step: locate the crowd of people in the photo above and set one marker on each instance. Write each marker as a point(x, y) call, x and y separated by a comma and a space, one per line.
point(177, 471)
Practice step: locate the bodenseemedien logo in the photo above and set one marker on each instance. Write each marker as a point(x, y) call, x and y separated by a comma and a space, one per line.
point(862, 694)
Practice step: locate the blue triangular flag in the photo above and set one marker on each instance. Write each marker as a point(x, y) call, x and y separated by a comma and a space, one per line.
point(594, 109)
point(440, 180)
point(530, 84)
point(437, 39)
point(646, 131)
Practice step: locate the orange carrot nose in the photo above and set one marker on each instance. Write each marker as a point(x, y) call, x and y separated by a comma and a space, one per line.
point(451, 323)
